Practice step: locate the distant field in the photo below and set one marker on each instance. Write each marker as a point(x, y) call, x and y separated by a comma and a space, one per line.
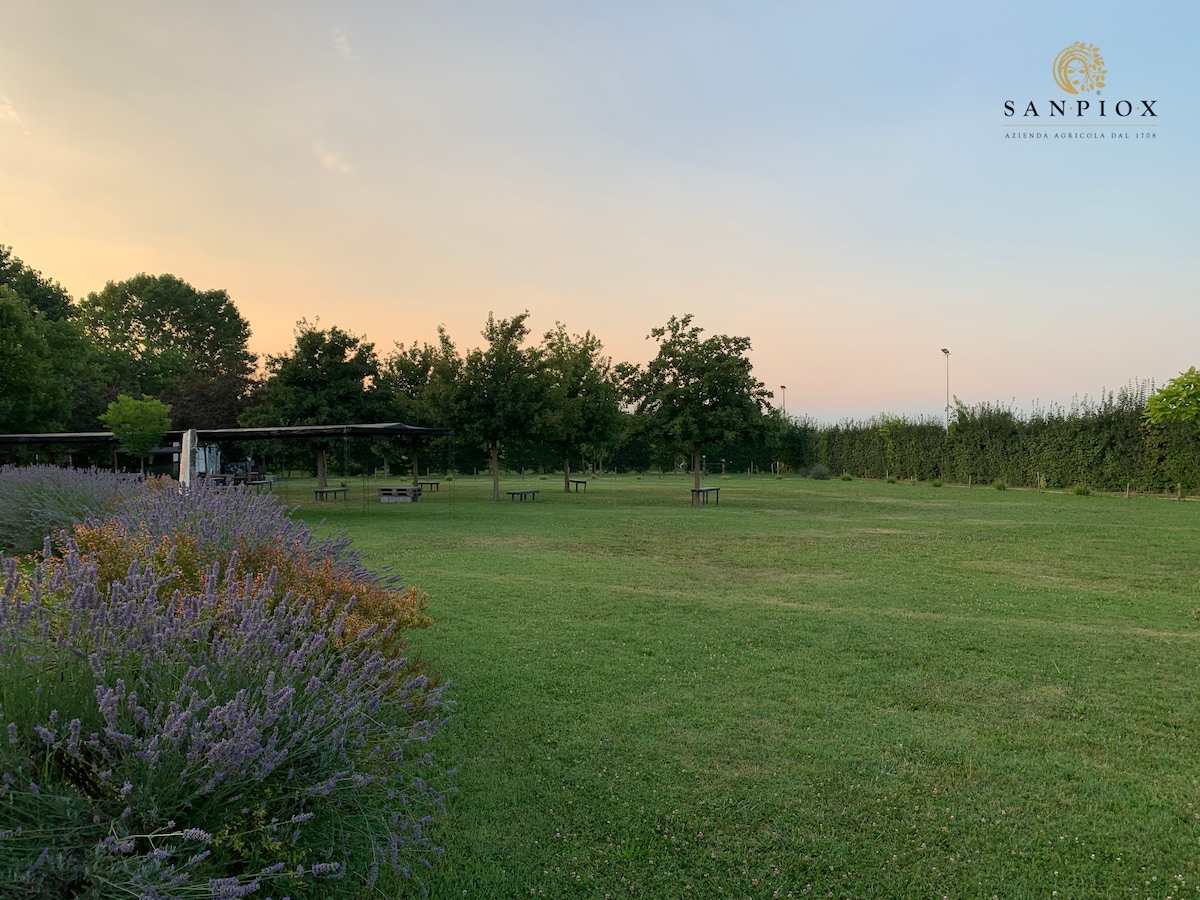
point(847, 689)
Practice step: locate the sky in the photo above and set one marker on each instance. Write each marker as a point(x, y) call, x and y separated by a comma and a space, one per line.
point(838, 182)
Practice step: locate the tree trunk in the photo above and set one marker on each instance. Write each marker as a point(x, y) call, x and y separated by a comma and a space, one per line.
point(416, 471)
point(566, 474)
point(322, 470)
point(695, 472)
point(494, 462)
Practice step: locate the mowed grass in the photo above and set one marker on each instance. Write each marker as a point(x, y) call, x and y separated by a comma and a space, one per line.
point(847, 689)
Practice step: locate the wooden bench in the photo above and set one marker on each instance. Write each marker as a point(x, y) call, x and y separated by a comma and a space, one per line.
point(324, 493)
point(531, 494)
point(430, 484)
point(400, 493)
point(577, 482)
point(702, 495)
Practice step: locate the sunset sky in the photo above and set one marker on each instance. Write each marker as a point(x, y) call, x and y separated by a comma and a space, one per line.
point(832, 180)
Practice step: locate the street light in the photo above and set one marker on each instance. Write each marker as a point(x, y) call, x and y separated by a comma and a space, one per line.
point(947, 355)
point(783, 387)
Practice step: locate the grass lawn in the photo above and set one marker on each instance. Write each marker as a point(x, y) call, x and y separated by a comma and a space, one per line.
point(847, 689)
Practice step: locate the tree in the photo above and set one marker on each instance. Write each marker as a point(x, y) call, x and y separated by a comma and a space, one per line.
point(30, 401)
point(500, 391)
point(138, 425)
point(1174, 414)
point(695, 392)
point(161, 336)
point(45, 368)
point(44, 296)
point(416, 385)
point(51, 376)
point(325, 380)
point(582, 402)
point(1177, 401)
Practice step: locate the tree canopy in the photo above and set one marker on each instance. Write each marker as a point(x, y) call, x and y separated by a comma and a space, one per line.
point(696, 391)
point(31, 398)
point(1177, 401)
point(44, 296)
point(161, 336)
point(138, 425)
point(325, 380)
point(500, 391)
point(582, 399)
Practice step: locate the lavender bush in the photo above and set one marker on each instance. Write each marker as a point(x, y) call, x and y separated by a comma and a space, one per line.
point(227, 520)
point(160, 741)
point(38, 500)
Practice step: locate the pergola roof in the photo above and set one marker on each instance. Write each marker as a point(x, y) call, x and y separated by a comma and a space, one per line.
point(282, 432)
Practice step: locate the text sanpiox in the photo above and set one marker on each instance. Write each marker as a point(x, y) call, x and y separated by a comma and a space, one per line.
point(1078, 108)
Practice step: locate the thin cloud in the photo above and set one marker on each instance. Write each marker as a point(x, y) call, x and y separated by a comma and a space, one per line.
point(341, 44)
point(8, 112)
point(332, 160)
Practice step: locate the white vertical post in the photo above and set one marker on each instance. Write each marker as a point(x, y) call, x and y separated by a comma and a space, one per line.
point(187, 457)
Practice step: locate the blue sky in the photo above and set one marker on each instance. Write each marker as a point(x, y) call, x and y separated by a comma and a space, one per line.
point(832, 180)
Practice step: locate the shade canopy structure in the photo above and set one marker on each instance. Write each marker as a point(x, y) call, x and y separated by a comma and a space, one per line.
point(185, 442)
point(281, 432)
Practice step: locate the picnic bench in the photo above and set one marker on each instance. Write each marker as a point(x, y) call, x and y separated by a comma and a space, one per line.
point(430, 484)
point(528, 492)
point(701, 494)
point(577, 482)
point(400, 493)
point(326, 492)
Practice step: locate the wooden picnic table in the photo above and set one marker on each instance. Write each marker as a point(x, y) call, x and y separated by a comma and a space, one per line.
point(531, 493)
point(436, 485)
point(577, 482)
point(702, 495)
point(325, 493)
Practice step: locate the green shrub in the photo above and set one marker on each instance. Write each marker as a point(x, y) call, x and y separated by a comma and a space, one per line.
point(891, 480)
point(846, 476)
point(1000, 485)
point(1081, 490)
point(819, 471)
point(937, 482)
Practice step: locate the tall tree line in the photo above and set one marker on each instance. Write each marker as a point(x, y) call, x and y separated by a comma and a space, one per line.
point(554, 404)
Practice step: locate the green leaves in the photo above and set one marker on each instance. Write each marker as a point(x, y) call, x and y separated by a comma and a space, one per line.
point(697, 390)
point(138, 425)
point(1177, 401)
point(159, 335)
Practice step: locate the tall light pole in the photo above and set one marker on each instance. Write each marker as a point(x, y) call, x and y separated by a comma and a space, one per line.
point(947, 355)
point(783, 387)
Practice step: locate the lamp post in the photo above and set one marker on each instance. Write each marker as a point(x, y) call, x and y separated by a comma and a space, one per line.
point(783, 403)
point(946, 353)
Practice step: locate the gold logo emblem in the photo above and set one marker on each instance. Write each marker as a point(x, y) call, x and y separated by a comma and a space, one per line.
point(1079, 69)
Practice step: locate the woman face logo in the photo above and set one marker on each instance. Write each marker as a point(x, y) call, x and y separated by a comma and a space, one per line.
point(1079, 69)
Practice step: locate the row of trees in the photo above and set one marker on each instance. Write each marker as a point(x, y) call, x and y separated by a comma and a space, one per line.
point(68, 365)
point(528, 405)
point(62, 363)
